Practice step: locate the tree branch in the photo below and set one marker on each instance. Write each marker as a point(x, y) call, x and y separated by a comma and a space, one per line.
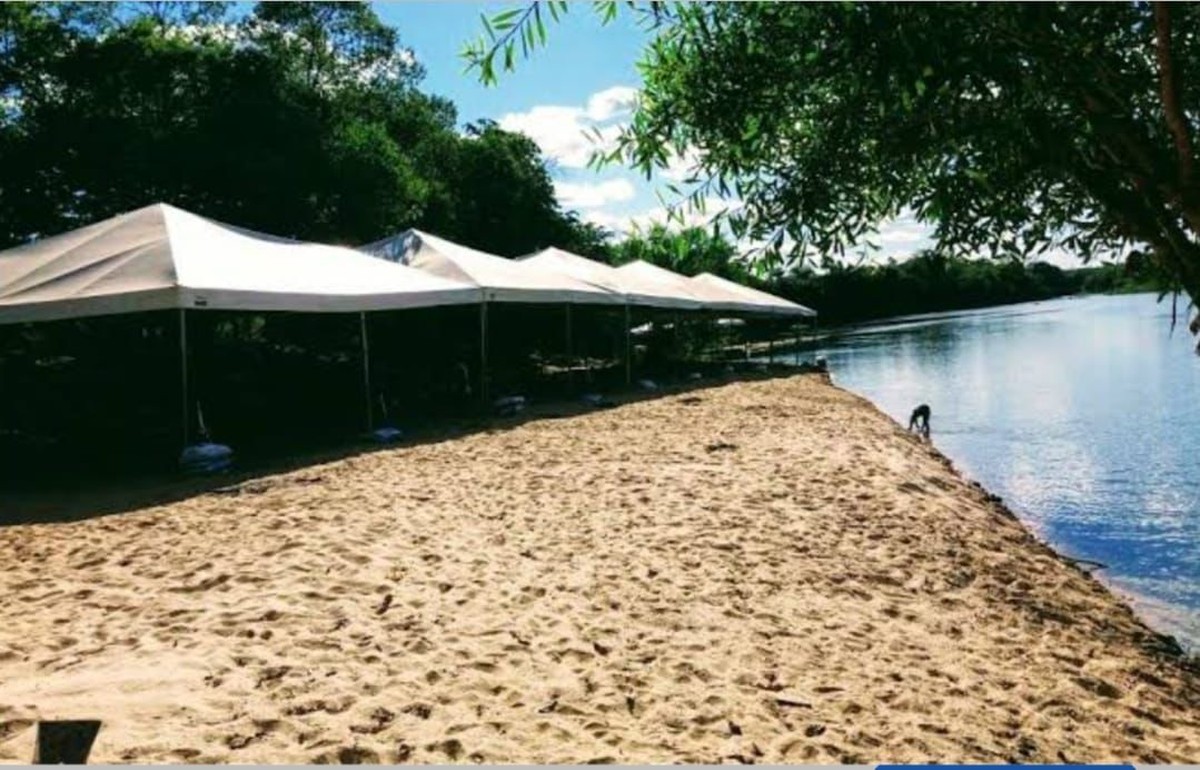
point(1169, 91)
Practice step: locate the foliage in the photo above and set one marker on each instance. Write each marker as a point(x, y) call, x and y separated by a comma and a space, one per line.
point(927, 282)
point(1011, 128)
point(300, 119)
point(525, 27)
point(690, 251)
point(1111, 278)
point(495, 194)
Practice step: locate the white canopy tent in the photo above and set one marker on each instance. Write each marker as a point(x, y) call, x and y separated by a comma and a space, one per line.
point(763, 301)
point(637, 291)
point(163, 258)
point(717, 293)
point(500, 280)
point(669, 283)
point(765, 304)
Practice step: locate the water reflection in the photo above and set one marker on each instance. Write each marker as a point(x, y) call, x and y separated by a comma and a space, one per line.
point(1081, 413)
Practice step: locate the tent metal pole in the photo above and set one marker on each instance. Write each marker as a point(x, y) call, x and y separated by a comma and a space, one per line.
point(483, 351)
point(570, 348)
point(366, 363)
point(628, 348)
point(796, 328)
point(770, 343)
point(675, 344)
point(183, 376)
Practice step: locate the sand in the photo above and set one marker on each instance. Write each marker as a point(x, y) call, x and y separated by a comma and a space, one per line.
point(765, 571)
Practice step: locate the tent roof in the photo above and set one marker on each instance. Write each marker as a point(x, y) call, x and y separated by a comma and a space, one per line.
point(767, 302)
point(669, 283)
point(160, 257)
point(636, 292)
point(502, 280)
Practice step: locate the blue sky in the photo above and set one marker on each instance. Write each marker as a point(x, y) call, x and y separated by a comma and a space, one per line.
point(585, 78)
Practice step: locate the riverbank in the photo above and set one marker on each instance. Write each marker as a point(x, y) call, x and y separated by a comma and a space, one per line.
point(1079, 412)
point(768, 570)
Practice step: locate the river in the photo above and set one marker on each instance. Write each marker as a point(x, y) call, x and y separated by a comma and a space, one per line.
point(1082, 413)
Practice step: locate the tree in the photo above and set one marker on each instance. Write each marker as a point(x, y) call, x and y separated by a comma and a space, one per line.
point(496, 194)
point(298, 119)
point(587, 239)
point(334, 44)
point(690, 251)
point(1010, 128)
point(926, 282)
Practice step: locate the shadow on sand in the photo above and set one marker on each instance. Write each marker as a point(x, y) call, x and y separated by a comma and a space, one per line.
point(91, 498)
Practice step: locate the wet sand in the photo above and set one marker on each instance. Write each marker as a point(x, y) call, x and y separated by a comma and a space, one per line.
point(763, 571)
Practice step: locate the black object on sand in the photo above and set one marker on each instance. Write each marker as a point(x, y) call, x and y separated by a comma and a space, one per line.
point(65, 742)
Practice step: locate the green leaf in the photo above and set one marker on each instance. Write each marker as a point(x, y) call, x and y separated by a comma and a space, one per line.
point(507, 15)
point(541, 27)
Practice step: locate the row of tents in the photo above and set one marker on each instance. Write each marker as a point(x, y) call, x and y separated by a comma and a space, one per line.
point(161, 258)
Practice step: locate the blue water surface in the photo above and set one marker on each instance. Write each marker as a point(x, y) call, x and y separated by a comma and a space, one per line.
point(1082, 413)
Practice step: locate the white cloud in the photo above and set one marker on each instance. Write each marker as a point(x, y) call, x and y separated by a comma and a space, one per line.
point(904, 236)
point(681, 167)
point(566, 133)
point(625, 224)
point(617, 101)
point(586, 195)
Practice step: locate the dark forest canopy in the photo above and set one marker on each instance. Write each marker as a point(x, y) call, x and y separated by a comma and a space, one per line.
point(297, 119)
point(1010, 128)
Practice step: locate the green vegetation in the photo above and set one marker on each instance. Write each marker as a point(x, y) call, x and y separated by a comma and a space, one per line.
point(299, 119)
point(925, 283)
point(1008, 127)
point(690, 251)
point(307, 119)
point(1116, 279)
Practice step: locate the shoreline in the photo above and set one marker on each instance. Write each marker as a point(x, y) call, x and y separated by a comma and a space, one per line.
point(1122, 594)
point(766, 569)
point(1160, 616)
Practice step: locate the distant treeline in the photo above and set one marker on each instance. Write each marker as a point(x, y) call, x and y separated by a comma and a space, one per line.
point(925, 283)
point(929, 283)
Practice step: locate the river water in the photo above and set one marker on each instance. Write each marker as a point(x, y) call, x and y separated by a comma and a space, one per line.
point(1082, 413)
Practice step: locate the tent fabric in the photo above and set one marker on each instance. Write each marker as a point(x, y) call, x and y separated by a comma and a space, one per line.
point(160, 258)
point(669, 283)
point(766, 302)
point(500, 279)
point(636, 292)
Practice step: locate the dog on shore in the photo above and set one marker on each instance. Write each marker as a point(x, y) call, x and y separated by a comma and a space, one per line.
point(919, 421)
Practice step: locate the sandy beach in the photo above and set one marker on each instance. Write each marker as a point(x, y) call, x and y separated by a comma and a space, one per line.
point(768, 570)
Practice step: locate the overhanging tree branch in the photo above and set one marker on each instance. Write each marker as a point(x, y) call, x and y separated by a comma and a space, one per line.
point(1169, 90)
